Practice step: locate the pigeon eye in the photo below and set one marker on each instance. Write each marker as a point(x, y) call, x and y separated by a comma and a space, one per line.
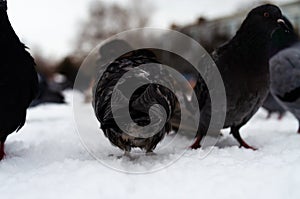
point(266, 14)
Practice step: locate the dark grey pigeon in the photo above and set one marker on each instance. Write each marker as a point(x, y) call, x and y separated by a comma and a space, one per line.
point(18, 79)
point(285, 79)
point(139, 103)
point(272, 106)
point(244, 65)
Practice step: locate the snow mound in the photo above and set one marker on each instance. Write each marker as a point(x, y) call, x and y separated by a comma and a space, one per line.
point(46, 159)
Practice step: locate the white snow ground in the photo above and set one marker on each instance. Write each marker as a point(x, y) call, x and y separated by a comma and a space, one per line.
point(47, 160)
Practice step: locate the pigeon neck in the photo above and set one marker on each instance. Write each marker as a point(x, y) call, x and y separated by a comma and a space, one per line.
point(253, 45)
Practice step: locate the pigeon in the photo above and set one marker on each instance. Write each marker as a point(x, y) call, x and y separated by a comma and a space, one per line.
point(46, 94)
point(139, 103)
point(281, 39)
point(243, 63)
point(285, 78)
point(18, 79)
point(272, 106)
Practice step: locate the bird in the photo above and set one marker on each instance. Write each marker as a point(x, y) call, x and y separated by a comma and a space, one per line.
point(47, 94)
point(18, 79)
point(243, 63)
point(281, 39)
point(272, 106)
point(139, 103)
point(285, 78)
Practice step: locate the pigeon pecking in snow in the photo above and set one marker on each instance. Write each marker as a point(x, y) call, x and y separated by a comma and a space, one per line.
point(139, 103)
point(18, 79)
point(285, 78)
point(244, 66)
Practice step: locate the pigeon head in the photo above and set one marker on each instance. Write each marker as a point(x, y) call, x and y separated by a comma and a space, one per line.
point(113, 49)
point(263, 21)
point(3, 5)
point(283, 38)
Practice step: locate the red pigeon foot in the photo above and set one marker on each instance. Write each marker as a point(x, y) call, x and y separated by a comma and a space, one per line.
point(196, 144)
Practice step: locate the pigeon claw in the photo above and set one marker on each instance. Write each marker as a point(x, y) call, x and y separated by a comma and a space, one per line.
point(236, 134)
point(196, 144)
point(247, 146)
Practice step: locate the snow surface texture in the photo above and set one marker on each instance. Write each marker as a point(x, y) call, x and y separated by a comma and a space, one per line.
point(46, 159)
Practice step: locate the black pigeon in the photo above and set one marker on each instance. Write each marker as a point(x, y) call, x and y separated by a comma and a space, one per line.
point(243, 64)
point(139, 103)
point(285, 78)
point(18, 79)
point(272, 106)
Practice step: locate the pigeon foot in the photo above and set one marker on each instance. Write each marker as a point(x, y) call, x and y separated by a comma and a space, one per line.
point(196, 144)
point(237, 136)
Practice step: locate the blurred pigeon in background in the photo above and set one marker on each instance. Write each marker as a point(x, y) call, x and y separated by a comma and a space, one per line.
point(47, 94)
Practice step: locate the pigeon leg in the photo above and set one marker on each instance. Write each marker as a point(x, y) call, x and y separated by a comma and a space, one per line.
point(2, 153)
point(196, 144)
point(280, 116)
point(236, 134)
point(269, 115)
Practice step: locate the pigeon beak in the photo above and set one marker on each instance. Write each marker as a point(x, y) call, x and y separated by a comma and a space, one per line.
point(280, 21)
point(283, 25)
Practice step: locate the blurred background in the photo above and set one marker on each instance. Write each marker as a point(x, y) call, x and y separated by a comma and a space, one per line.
point(61, 33)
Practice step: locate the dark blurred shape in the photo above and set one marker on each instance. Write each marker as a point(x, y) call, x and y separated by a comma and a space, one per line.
point(47, 94)
point(68, 67)
point(112, 50)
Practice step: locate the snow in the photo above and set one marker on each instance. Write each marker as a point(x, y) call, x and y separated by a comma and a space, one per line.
point(47, 159)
